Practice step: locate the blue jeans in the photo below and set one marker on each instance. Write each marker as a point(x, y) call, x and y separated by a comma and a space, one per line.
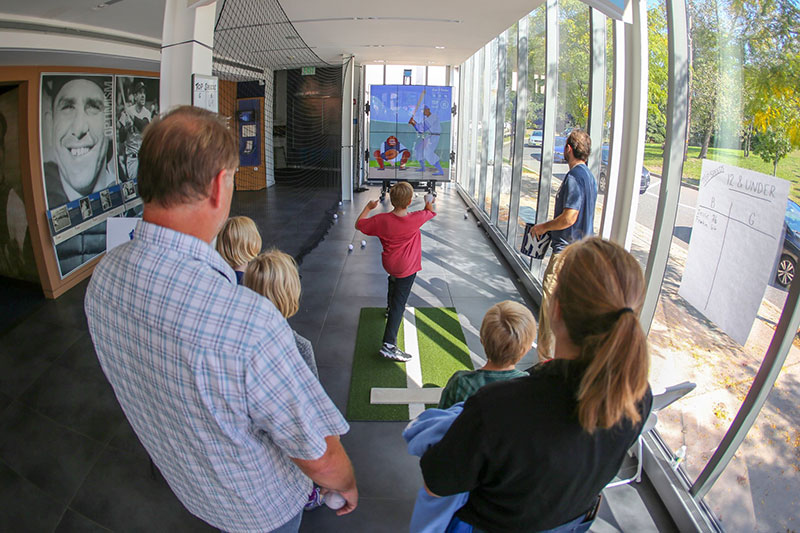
point(399, 290)
point(579, 525)
point(292, 526)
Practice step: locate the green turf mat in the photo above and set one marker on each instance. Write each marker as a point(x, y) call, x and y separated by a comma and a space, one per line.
point(443, 350)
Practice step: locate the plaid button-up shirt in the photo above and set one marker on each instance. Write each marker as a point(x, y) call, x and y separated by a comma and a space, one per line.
point(209, 377)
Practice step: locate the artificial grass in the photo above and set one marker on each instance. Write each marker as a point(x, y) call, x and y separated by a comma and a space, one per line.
point(443, 351)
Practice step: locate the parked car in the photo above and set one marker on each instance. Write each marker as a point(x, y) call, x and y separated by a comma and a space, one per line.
point(602, 179)
point(787, 264)
point(535, 139)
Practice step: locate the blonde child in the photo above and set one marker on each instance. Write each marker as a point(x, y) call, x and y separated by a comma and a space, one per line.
point(238, 242)
point(274, 274)
point(507, 333)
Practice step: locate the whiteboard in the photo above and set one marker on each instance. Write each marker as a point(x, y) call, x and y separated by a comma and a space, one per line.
point(737, 230)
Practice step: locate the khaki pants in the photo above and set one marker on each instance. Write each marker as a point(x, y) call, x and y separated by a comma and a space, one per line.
point(547, 345)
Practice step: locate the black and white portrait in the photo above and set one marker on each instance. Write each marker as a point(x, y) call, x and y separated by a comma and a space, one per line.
point(105, 200)
point(77, 153)
point(86, 209)
point(76, 130)
point(136, 106)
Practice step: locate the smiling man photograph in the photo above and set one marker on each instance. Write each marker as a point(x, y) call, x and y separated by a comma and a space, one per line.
point(78, 117)
point(77, 153)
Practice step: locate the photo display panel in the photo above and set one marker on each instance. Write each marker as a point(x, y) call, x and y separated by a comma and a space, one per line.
point(90, 130)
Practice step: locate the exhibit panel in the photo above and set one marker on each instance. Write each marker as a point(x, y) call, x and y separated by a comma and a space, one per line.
point(91, 129)
point(72, 177)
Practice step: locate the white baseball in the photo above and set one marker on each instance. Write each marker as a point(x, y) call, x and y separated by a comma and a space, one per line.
point(334, 500)
point(335, 216)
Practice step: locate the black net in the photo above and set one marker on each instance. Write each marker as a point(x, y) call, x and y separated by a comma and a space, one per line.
point(288, 120)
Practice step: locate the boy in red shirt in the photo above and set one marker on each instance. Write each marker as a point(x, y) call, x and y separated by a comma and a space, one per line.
point(399, 233)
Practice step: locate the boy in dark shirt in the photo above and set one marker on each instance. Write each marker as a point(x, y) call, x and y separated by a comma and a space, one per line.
point(507, 333)
point(400, 237)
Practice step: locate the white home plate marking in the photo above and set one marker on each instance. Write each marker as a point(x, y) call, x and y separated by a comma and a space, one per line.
point(413, 367)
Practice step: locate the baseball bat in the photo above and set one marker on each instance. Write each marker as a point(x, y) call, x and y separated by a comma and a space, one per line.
point(419, 101)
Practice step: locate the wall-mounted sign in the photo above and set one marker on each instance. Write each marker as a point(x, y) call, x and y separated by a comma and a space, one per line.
point(308, 71)
point(205, 92)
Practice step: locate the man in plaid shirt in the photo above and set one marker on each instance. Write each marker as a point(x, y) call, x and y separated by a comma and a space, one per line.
point(207, 371)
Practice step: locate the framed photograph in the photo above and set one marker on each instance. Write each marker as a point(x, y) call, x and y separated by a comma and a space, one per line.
point(135, 106)
point(86, 209)
point(128, 190)
point(105, 200)
point(60, 216)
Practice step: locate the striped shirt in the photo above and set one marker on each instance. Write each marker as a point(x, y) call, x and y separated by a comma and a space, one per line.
point(208, 374)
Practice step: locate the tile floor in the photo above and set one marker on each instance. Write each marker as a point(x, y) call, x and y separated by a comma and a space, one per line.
point(70, 462)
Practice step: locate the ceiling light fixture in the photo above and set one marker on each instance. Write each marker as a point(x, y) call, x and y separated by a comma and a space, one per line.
point(439, 47)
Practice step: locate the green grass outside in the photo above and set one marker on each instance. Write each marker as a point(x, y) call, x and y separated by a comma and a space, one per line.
point(788, 167)
point(443, 350)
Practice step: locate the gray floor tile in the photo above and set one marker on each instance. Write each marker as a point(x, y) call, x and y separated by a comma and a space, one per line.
point(370, 285)
point(336, 383)
point(73, 522)
point(373, 515)
point(121, 494)
point(28, 350)
point(384, 468)
point(80, 356)
point(47, 454)
point(5, 401)
point(25, 507)
point(79, 399)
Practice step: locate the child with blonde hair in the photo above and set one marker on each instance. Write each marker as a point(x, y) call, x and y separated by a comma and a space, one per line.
point(273, 274)
point(507, 333)
point(239, 242)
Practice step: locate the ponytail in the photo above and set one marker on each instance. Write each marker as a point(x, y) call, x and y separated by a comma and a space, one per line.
point(600, 291)
point(613, 384)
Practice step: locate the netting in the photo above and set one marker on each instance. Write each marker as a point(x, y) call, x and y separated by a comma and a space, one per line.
point(288, 124)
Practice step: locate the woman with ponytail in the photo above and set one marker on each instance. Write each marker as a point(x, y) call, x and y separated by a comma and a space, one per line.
point(534, 453)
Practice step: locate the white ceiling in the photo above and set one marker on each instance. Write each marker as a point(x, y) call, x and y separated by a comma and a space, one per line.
point(141, 17)
point(409, 32)
point(405, 32)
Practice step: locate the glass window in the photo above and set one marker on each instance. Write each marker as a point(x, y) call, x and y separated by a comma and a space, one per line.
point(373, 76)
point(394, 74)
point(656, 131)
point(509, 95)
point(437, 75)
point(534, 120)
point(490, 114)
point(573, 83)
point(738, 117)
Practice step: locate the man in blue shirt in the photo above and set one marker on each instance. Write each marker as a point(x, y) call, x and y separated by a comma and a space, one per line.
point(574, 220)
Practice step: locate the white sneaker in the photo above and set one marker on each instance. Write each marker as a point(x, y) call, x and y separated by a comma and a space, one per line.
point(390, 351)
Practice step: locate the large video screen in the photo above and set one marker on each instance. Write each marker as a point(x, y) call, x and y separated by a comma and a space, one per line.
point(409, 132)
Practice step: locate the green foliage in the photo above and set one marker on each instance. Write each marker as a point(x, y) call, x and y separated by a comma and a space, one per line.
point(657, 73)
point(574, 59)
point(772, 145)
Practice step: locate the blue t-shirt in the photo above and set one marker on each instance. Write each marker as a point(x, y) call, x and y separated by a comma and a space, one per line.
point(578, 191)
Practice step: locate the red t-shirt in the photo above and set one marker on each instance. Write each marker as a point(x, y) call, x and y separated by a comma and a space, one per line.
point(400, 237)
